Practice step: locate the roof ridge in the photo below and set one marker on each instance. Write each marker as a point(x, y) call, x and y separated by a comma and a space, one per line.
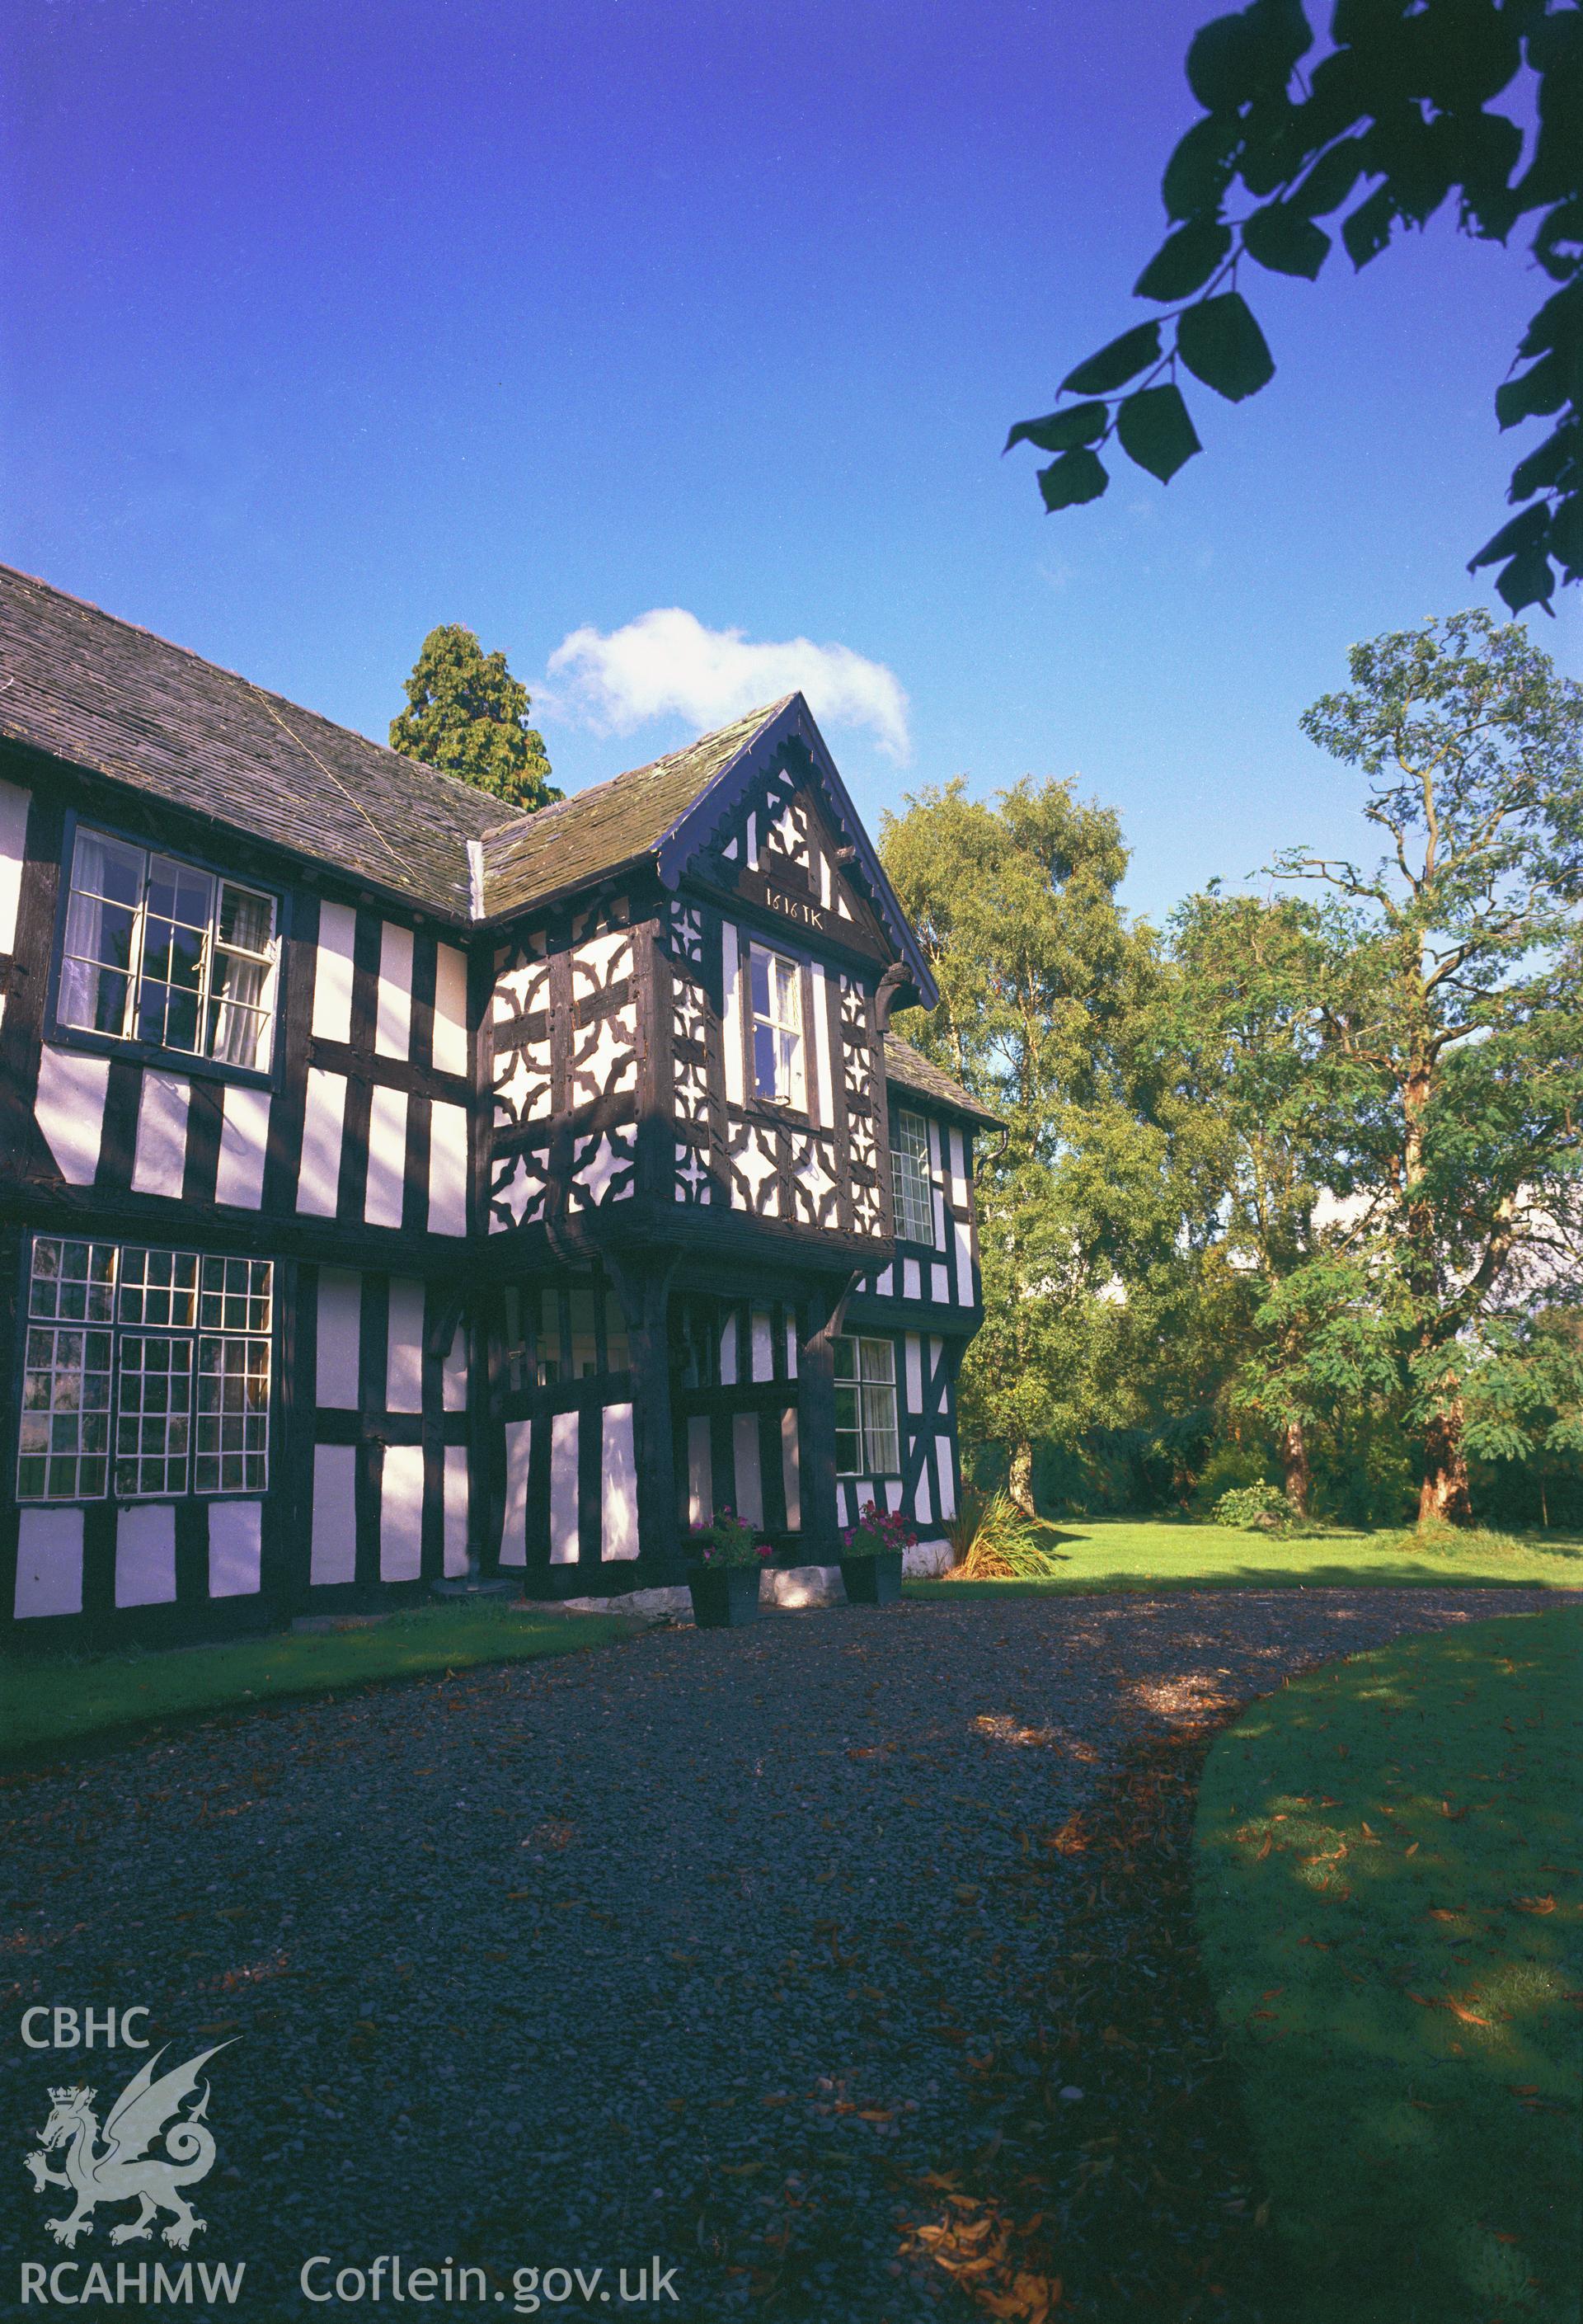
point(266, 692)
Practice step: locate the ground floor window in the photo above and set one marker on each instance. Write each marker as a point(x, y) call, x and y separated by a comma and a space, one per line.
point(146, 1372)
point(865, 1441)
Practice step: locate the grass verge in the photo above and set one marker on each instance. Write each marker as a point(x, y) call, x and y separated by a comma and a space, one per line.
point(65, 1698)
point(1391, 1903)
point(1118, 1554)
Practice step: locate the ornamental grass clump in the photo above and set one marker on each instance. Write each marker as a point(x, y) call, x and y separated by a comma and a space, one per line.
point(877, 1529)
point(727, 1540)
point(994, 1541)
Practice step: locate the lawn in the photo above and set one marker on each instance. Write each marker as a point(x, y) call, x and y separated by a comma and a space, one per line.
point(1389, 1895)
point(1122, 1553)
point(65, 1698)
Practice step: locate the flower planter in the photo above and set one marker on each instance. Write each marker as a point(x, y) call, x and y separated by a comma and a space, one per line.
point(724, 1596)
point(874, 1580)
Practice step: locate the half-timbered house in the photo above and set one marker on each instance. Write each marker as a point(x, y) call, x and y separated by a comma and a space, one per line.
point(396, 1188)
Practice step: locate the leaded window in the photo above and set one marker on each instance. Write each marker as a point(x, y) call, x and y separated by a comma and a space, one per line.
point(159, 952)
point(866, 1438)
point(776, 988)
point(910, 1177)
point(146, 1373)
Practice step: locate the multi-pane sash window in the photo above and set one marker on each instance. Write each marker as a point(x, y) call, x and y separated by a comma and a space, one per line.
point(865, 1441)
point(776, 985)
point(910, 1177)
point(146, 1373)
point(158, 951)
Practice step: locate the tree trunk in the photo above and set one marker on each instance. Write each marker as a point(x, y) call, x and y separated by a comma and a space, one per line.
point(1443, 1498)
point(1019, 1484)
point(1294, 1474)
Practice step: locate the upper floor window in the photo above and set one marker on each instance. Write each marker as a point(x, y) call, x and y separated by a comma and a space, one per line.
point(158, 951)
point(776, 985)
point(910, 1177)
point(866, 1439)
point(145, 1373)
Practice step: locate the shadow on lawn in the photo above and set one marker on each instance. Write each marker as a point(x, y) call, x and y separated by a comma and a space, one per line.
point(1405, 1573)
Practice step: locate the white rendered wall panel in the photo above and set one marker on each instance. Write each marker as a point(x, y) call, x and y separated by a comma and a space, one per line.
point(340, 1308)
point(450, 1009)
point(49, 1563)
point(13, 806)
point(324, 1117)
point(618, 1498)
point(824, 1081)
point(245, 1142)
point(700, 1471)
point(790, 1467)
point(387, 1157)
point(763, 1346)
point(447, 1168)
point(454, 1550)
point(749, 1482)
point(332, 976)
point(236, 1548)
point(957, 1171)
point(145, 1554)
point(333, 1554)
point(563, 1489)
point(914, 1372)
point(454, 1373)
point(70, 1110)
point(964, 1263)
point(393, 1023)
point(923, 1502)
point(401, 1514)
point(731, 1020)
point(160, 1157)
point(947, 1480)
point(514, 1530)
point(404, 1347)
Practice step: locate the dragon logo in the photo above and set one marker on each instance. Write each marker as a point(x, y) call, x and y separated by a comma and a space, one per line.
point(123, 2170)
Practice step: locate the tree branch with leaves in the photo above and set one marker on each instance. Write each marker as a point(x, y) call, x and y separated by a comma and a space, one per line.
point(1395, 121)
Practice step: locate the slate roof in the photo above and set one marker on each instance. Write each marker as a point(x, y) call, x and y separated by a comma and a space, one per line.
point(107, 696)
point(909, 1069)
point(104, 695)
point(612, 824)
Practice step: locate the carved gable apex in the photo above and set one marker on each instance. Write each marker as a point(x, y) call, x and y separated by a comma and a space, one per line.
point(780, 847)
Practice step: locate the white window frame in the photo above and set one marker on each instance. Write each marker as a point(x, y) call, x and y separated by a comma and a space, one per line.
point(235, 986)
point(866, 1390)
point(911, 1184)
point(146, 1373)
point(781, 1021)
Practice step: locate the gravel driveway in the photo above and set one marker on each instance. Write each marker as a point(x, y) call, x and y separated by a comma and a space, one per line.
point(683, 1948)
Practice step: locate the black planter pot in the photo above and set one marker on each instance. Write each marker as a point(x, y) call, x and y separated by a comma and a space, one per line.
point(724, 1596)
point(874, 1580)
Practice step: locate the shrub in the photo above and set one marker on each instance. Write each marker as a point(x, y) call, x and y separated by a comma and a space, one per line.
point(727, 1540)
point(993, 1540)
point(1252, 1507)
point(1229, 1467)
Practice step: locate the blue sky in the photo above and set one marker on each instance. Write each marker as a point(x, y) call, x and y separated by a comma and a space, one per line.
point(328, 322)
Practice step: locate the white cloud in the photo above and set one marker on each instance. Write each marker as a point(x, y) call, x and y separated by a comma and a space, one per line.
point(666, 663)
